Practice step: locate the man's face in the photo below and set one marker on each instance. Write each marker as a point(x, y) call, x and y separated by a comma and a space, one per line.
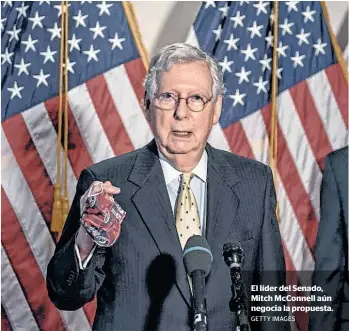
point(182, 131)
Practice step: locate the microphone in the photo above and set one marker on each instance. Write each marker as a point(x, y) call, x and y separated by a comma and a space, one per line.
point(197, 258)
point(233, 255)
point(234, 258)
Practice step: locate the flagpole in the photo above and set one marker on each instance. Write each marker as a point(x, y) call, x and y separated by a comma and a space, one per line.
point(57, 204)
point(274, 93)
point(65, 201)
point(60, 203)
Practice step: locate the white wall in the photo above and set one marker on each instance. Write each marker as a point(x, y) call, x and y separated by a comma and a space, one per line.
point(164, 22)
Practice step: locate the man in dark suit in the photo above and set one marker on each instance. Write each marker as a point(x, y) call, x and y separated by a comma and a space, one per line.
point(140, 281)
point(331, 250)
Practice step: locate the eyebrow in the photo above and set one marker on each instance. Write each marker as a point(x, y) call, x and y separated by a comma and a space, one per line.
point(189, 94)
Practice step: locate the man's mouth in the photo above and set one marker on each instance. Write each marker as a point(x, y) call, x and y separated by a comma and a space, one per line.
point(182, 134)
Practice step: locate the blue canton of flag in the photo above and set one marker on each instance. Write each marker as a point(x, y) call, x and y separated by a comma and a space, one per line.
point(99, 39)
point(240, 35)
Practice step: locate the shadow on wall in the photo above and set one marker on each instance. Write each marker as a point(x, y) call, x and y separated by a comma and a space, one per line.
point(342, 33)
point(177, 25)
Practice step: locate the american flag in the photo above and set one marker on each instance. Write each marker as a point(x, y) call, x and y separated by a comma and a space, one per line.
point(105, 119)
point(312, 106)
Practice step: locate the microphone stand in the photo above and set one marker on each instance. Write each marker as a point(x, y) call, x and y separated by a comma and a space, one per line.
point(199, 301)
point(237, 303)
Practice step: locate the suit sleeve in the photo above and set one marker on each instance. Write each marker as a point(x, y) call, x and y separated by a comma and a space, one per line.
point(270, 263)
point(69, 287)
point(329, 253)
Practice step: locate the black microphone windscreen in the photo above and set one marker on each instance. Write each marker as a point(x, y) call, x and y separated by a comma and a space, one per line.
point(197, 255)
point(233, 254)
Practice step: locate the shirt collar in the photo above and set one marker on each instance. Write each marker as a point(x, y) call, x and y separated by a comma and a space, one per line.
point(171, 173)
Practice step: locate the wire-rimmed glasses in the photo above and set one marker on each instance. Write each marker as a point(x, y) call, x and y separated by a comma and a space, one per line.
point(170, 101)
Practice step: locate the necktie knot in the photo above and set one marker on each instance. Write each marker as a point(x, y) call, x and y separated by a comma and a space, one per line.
point(186, 178)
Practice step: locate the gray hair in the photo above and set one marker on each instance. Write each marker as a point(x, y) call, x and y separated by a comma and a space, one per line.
point(180, 53)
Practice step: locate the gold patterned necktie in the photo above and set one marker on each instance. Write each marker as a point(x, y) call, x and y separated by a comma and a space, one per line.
point(187, 215)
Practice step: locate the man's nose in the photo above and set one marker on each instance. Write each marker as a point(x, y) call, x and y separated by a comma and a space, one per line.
point(182, 111)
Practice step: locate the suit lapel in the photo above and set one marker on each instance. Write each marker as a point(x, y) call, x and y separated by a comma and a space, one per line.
point(153, 204)
point(222, 205)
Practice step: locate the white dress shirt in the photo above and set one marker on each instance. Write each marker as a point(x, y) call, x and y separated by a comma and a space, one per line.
point(197, 185)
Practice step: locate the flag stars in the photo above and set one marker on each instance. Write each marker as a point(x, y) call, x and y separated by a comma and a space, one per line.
point(218, 32)
point(22, 67)
point(265, 62)
point(292, 5)
point(104, 8)
point(22, 10)
point(29, 44)
point(269, 39)
point(261, 85)
point(286, 27)
point(80, 19)
point(308, 14)
point(7, 3)
point(238, 98)
point(210, 4)
point(255, 30)
point(41, 78)
point(225, 64)
point(261, 6)
point(70, 66)
point(48, 55)
point(15, 91)
point(243, 75)
point(92, 54)
point(271, 16)
point(303, 37)
point(74, 43)
point(14, 33)
point(3, 20)
point(297, 60)
point(249, 53)
point(55, 32)
point(278, 72)
point(36, 20)
point(231, 42)
point(116, 41)
point(98, 30)
point(238, 19)
point(224, 10)
point(319, 47)
point(59, 8)
point(6, 57)
point(281, 50)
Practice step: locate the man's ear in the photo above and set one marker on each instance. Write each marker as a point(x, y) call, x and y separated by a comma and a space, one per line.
point(146, 107)
point(217, 109)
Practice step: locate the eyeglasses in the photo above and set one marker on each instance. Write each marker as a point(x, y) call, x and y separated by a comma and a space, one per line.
point(170, 101)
